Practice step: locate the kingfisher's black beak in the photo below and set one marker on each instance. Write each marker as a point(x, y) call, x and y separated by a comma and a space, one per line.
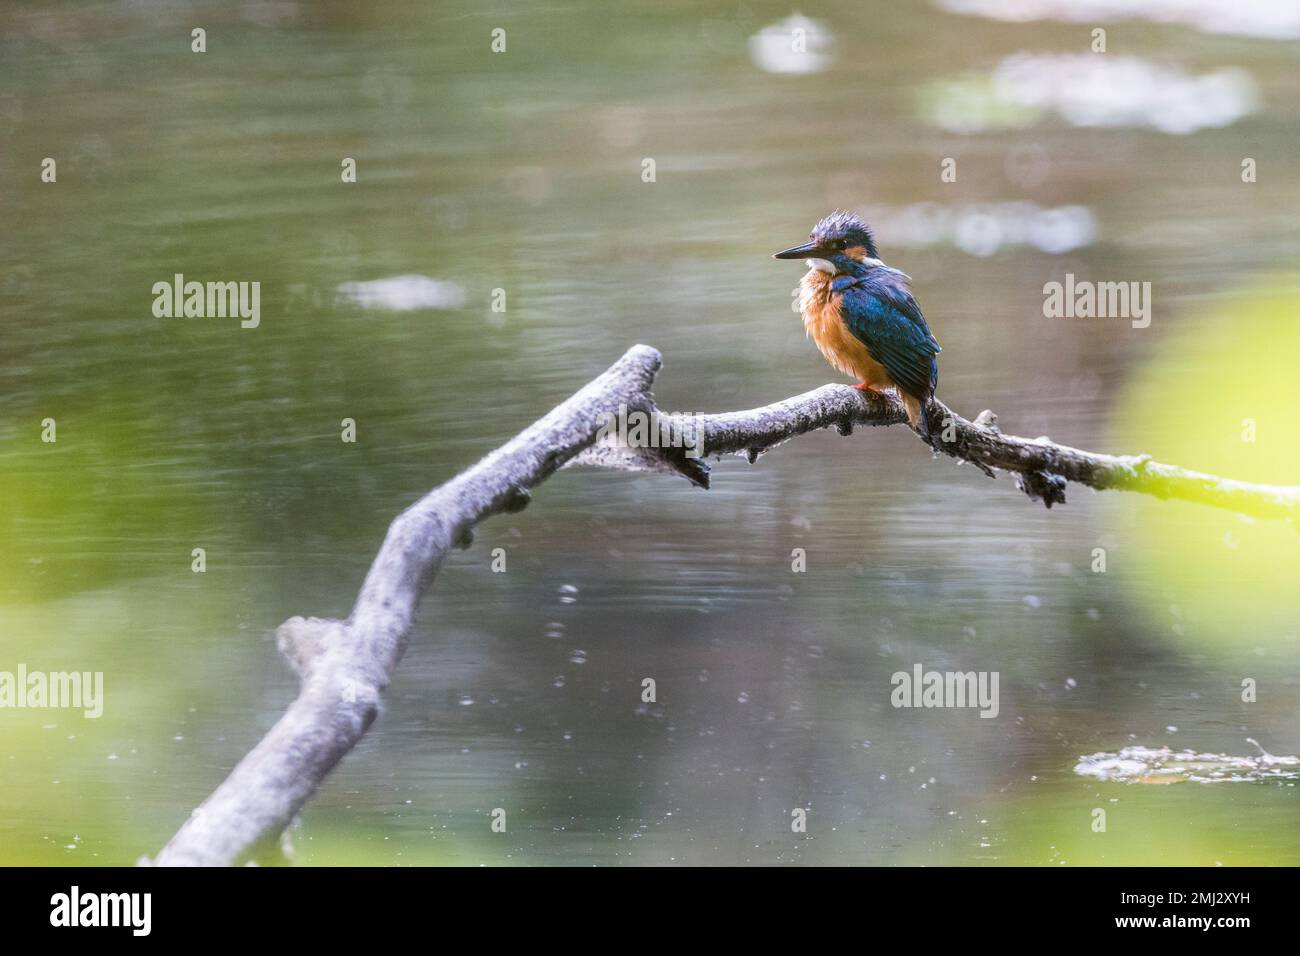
point(809, 250)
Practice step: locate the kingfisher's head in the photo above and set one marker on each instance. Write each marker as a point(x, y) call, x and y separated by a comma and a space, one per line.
point(835, 244)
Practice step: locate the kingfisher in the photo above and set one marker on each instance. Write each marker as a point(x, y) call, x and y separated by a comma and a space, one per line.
point(862, 316)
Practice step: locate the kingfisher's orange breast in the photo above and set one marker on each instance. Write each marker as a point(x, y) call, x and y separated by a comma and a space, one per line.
point(822, 320)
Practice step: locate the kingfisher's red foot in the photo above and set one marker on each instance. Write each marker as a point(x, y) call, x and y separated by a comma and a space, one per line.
point(869, 389)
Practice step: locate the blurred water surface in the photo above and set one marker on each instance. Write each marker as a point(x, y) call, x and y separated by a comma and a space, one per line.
point(522, 171)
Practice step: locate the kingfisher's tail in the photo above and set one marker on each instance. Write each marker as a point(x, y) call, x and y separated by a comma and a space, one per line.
point(916, 416)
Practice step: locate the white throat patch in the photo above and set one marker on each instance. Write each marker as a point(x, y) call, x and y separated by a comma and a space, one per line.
point(821, 265)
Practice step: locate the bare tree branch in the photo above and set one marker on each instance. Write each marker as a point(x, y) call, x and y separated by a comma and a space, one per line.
point(345, 666)
point(1041, 466)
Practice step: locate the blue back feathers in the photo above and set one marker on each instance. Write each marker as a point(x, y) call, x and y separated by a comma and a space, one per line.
point(879, 310)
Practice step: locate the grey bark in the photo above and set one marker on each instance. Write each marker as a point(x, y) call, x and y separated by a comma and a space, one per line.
point(345, 666)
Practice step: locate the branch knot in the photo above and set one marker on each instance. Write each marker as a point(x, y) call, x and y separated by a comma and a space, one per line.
point(1044, 486)
point(304, 640)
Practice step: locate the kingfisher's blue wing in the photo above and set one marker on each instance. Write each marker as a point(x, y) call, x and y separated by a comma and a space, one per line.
point(881, 313)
